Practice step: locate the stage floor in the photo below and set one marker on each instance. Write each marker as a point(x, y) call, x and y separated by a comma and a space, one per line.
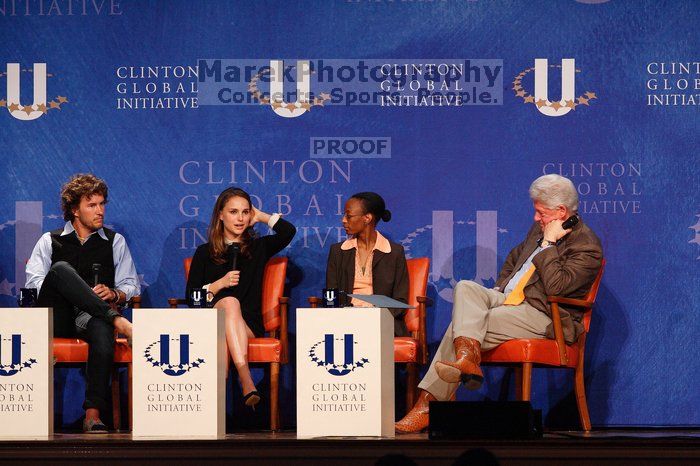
point(629, 447)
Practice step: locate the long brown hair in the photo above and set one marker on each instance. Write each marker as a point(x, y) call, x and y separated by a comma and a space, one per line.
point(217, 245)
point(79, 185)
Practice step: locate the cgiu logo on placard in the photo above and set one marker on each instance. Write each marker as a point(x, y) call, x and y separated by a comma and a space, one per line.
point(323, 355)
point(39, 106)
point(162, 359)
point(15, 358)
point(540, 99)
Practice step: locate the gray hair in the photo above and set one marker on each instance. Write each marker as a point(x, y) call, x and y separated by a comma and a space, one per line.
point(553, 191)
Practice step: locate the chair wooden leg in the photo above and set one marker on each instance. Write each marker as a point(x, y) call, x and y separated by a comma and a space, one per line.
point(518, 374)
point(116, 400)
point(411, 384)
point(526, 385)
point(274, 396)
point(580, 390)
point(129, 387)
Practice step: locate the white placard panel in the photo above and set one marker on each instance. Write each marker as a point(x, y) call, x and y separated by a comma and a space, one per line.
point(345, 372)
point(26, 372)
point(179, 373)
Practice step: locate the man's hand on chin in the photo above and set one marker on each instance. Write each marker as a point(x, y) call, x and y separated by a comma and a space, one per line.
point(553, 231)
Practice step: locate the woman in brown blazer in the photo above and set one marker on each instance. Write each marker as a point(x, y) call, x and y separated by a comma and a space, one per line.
point(368, 263)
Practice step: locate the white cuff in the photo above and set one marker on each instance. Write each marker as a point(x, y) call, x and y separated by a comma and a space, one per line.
point(273, 220)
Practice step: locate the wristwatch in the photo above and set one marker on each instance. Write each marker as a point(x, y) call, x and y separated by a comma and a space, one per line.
point(545, 243)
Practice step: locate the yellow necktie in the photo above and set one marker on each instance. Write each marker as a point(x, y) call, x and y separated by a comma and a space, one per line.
point(517, 296)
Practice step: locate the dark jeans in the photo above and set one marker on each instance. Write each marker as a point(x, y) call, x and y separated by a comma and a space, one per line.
point(100, 338)
point(71, 297)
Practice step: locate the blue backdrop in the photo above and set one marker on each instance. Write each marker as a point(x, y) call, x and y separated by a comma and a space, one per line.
point(123, 79)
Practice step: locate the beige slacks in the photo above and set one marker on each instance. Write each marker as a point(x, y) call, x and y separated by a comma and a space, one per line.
point(478, 313)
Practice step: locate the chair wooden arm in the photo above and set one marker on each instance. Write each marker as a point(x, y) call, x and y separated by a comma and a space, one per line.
point(570, 301)
point(174, 302)
point(423, 303)
point(314, 301)
point(424, 299)
point(559, 334)
point(555, 301)
point(284, 341)
point(134, 303)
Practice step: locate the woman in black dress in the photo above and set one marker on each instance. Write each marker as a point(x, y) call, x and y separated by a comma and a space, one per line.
point(238, 292)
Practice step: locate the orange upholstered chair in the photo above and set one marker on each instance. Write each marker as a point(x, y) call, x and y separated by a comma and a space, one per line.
point(74, 351)
point(271, 349)
point(525, 354)
point(413, 349)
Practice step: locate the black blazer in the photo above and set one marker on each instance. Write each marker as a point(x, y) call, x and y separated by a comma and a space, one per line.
point(389, 277)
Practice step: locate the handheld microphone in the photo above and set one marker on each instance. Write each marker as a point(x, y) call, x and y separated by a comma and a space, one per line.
point(235, 249)
point(96, 274)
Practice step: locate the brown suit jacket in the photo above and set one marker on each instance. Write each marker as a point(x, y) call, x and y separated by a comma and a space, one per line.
point(567, 269)
point(389, 277)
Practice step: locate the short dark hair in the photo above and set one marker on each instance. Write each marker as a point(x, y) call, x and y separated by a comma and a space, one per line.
point(79, 185)
point(373, 203)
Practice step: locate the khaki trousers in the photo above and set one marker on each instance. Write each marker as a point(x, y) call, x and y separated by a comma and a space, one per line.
point(478, 313)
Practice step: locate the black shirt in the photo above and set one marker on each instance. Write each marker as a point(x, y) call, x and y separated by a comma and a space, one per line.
point(249, 289)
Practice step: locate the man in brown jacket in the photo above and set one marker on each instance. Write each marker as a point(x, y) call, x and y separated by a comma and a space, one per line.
point(552, 260)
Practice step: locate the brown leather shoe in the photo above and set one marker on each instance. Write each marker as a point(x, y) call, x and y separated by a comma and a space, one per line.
point(416, 420)
point(466, 368)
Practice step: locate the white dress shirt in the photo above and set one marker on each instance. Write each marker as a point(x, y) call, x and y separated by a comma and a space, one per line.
point(510, 286)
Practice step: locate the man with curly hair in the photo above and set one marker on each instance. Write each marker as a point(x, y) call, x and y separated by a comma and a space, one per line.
point(84, 271)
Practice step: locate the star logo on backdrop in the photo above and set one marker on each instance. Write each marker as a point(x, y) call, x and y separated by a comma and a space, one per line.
point(265, 99)
point(406, 242)
point(696, 229)
point(414, 246)
point(520, 92)
point(6, 288)
point(54, 104)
